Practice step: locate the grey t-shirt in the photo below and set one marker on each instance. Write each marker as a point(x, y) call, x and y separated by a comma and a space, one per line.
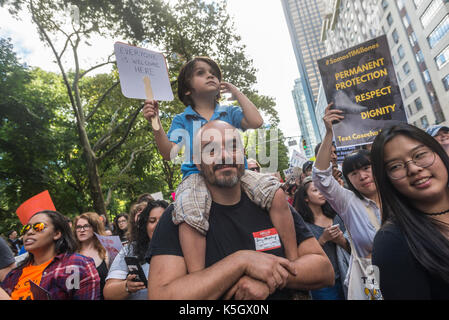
point(6, 255)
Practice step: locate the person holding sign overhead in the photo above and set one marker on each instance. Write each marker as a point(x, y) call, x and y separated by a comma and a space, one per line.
point(199, 87)
point(358, 206)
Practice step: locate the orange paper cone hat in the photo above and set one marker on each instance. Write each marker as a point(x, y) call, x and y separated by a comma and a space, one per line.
point(39, 202)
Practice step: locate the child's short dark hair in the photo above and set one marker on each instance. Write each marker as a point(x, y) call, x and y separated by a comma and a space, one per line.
point(185, 75)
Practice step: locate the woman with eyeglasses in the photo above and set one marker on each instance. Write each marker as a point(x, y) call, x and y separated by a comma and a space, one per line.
point(52, 263)
point(121, 285)
point(85, 227)
point(121, 227)
point(411, 249)
point(359, 204)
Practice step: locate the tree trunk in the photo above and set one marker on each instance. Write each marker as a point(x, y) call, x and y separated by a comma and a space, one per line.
point(92, 171)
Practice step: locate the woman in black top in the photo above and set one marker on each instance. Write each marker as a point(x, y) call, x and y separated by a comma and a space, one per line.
point(328, 228)
point(411, 249)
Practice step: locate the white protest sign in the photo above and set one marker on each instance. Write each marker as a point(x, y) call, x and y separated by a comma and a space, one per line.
point(134, 64)
point(112, 244)
point(157, 196)
point(297, 159)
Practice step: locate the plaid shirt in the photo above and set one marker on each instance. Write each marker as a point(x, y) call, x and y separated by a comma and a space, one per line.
point(67, 277)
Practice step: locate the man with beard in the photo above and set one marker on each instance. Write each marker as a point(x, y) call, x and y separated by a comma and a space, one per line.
point(244, 256)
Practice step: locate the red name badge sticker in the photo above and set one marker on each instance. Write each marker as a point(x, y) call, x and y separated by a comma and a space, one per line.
point(267, 239)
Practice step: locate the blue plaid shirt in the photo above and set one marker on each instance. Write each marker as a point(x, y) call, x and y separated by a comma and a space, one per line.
point(67, 277)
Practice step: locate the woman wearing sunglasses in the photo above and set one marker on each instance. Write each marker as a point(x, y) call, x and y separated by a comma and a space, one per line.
point(411, 249)
point(52, 263)
point(85, 227)
point(142, 221)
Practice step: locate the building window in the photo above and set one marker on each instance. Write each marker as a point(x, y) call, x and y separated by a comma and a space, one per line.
point(395, 36)
point(418, 104)
point(406, 68)
point(442, 58)
point(430, 12)
point(439, 32)
point(419, 56)
point(424, 122)
point(389, 19)
point(418, 3)
point(412, 86)
point(410, 112)
point(384, 4)
point(426, 76)
point(406, 20)
point(401, 52)
point(412, 39)
point(404, 93)
point(446, 82)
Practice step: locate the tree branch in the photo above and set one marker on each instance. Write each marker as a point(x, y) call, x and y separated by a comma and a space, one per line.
point(125, 136)
point(128, 165)
point(97, 66)
point(100, 101)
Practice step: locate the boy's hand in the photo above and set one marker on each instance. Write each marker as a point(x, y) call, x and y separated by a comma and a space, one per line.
point(226, 87)
point(150, 109)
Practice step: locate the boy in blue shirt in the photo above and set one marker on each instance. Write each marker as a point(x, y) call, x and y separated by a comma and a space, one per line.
point(199, 86)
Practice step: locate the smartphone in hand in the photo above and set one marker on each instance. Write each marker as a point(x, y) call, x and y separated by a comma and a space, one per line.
point(134, 267)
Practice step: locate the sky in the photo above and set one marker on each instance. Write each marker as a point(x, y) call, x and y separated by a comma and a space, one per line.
point(260, 23)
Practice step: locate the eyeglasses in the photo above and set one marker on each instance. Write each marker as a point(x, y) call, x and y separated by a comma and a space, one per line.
point(422, 158)
point(38, 227)
point(85, 227)
point(257, 169)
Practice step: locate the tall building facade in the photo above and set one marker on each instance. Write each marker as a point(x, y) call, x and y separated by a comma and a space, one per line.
point(306, 123)
point(418, 37)
point(304, 20)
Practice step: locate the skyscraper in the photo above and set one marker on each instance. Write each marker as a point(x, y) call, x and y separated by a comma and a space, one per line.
point(306, 123)
point(304, 21)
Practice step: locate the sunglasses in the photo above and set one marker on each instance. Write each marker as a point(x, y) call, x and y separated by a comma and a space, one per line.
point(38, 227)
point(257, 169)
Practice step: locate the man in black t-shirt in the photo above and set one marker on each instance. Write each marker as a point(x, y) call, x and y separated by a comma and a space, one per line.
point(244, 255)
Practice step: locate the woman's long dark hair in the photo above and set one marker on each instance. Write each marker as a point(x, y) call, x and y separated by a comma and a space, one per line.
point(138, 235)
point(302, 207)
point(117, 231)
point(65, 244)
point(430, 248)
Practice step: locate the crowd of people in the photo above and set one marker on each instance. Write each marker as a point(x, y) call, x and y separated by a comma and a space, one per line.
point(375, 226)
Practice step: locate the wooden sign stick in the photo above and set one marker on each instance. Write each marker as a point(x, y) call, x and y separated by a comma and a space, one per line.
point(149, 94)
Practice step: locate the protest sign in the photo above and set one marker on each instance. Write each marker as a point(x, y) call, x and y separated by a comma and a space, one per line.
point(158, 196)
point(143, 74)
point(112, 244)
point(361, 82)
point(297, 159)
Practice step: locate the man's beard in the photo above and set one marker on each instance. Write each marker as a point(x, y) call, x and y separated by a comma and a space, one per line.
point(225, 180)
